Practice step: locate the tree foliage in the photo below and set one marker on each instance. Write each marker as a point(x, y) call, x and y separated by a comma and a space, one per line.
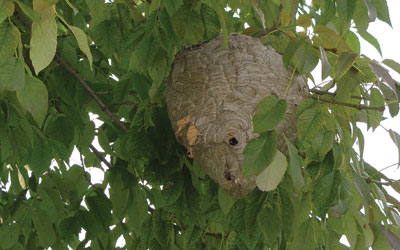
point(76, 71)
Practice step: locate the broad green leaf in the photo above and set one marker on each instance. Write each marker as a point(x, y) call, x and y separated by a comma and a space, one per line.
point(145, 52)
point(9, 235)
point(392, 64)
point(191, 235)
point(69, 227)
point(258, 154)
point(347, 85)
point(9, 36)
point(41, 157)
point(82, 40)
point(162, 229)
point(360, 16)
point(43, 43)
point(372, 40)
point(154, 5)
point(119, 194)
point(270, 178)
point(380, 241)
point(33, 97)
point(105, 34)
point(325, 191)
point(269, 113)
point(305, 237)
point(6, 9)
point(326, 66)
point(270, 223)
point(376, 100)
point(365, 229)
point(345, 8)
point(64, 124)
point(291, 50)
point(382, 10)
point(188, 25)
point(353, 41)
point(344, 62)
point(391, 99)
point(172, 6)
point(100, 206)
point(44, 228)
point(219, 8)
point(138, 211)
point(172, 191)
point(295, 167)
point(307, 57)
point(362, 187)
point(225, 201)
point(310, 121)
point(12, 75)
point(396, 139)
point(87, 135)
point(211, 21)
point(322, 142)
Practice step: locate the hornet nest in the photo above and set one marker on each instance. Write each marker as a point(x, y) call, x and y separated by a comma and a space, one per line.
point(212, 95)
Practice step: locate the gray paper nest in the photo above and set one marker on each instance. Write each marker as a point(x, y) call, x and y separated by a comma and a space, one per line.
point(212, 95)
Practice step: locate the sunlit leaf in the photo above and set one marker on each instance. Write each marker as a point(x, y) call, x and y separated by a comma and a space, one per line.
point(270, 177)
point(372, 40)
point(344, 62)
point(258, 154)
point(33, 97)
point(329, 39)
point(269, 113)
point(82, 40)
point(382, 10)
point(44, 35)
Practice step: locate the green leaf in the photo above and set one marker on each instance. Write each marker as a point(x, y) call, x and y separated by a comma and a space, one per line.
point(392, 64)
point(162, 229)
point(44, 228)
point(82, 40)
point(372, 40)
point(258, 154)
point(295, 167)
point(360, 16)
point(33, 97)
point(69, 228)
point(145, 52)
point(326, 66)
point(347, 85)
point(9, 36)
point(225, 201)
point(64, 124)
point(382, 72)
point(310, 121)
point(269, 113)
point(270, 223)
point(270, 178)
point(304, 237)
point(87, 135)
point(322, 142)
point(308, 58)
point(382, 10)
point(211, 21)
point(325, 192)
point(172, 6)
point(396, 139)
point(391, 99)
point(41, 157)
point(344, 62)
point(100, 206)
point(353, 42)
point(220, 9)
point(43, 43)
point(376, 100)
point(191, 235)
point(172, 191)
point(188, 25)
point(362, 187)
point(105, 35)
point(291, 50)
point(329, 39)
point(6, 10)
point(12, 75)
point(9, 235)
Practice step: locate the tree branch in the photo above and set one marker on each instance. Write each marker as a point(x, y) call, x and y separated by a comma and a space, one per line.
point(321, 92)
point(92, 93)
point(100, 156)
point(359, 107)
point(109, 92)
point(132, 104)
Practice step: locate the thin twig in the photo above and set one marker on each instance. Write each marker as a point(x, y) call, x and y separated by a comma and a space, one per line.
point(321, 92)
point(385, 183)
point(86, 174)
point(359, 107)
point(100, 156)
point(92, 93)
point(109, 92)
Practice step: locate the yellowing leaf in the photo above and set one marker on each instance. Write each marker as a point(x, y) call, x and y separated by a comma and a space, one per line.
point(44, 35)
point(270, 178)
point(181, 124)
point(34, 98)
point(304, 21)
point(330, 39)
point(344, 62)
point(82, 40)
